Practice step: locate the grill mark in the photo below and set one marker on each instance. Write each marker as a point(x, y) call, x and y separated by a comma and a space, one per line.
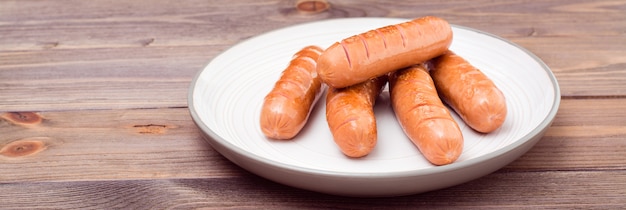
point(382, 36)
point(283, 94)
point(401, 35)
point(425, 120)
point(367, 51)
point(345, 50)
point(303, 71)
point(292, 83)
point(348, 121)
point(314, 50)
point(308, 59)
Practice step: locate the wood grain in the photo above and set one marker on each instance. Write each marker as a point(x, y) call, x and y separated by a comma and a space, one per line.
point(164, 143)
point(94, 115)
point(601, 190)
point(86, 47)
point(110, 144)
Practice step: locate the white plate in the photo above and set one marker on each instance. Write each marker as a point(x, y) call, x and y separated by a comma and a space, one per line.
point(226, 96)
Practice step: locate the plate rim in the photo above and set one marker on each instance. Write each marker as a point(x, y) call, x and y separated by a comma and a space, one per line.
point(542, 126)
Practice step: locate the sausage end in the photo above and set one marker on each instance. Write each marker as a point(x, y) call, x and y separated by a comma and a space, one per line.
point(440, 141)
point(333, 65)
point(281, 119)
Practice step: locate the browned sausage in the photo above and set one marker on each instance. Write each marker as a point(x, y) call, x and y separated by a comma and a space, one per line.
point(423, 116)
point(350, 116)
point(286, 108)
point(469, 92)
point(377, 52)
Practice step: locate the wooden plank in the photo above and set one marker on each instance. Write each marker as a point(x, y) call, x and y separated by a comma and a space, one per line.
point(112, 24)
point(115, 83)
point(555, 189)
point(158, 51)
point(164, 143)
point(576, 17)
point(586, 134)
point(591, 112)
point(103, 145)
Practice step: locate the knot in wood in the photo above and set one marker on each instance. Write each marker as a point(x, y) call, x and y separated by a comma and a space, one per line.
point(151, 129)
point(23, 118)
point(22, 147)
point(312, 6)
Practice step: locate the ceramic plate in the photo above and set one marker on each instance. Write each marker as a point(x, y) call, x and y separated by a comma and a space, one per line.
point(225, 100)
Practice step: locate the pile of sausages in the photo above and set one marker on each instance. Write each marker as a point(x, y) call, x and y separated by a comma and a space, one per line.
point(422, 73)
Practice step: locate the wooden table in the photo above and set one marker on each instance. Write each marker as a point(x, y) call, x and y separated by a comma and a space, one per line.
point(93, 104)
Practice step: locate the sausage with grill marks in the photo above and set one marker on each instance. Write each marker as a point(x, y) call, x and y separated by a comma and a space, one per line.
point(469, 92)
point(350, 116)
point(286, 108)
point(423, 116)
point(380, 51)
